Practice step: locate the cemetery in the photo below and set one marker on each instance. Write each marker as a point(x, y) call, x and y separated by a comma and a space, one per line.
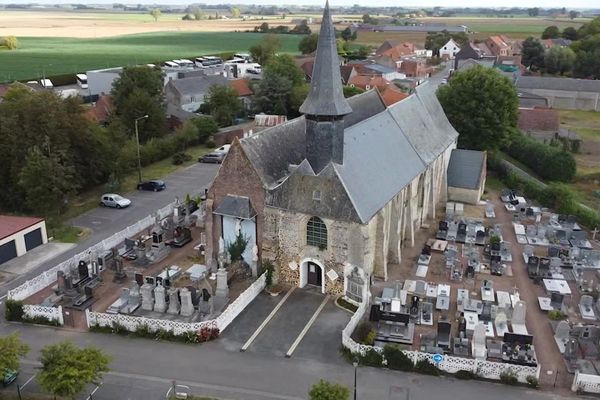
point(152, 275)
point(459, 300)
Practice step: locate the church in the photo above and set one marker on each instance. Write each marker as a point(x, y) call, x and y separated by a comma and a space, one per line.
point(332, 197)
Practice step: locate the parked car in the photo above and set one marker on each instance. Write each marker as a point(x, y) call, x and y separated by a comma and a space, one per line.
point(253, 71)
point(9, 376)
point(223, 149)
point(214, 157)
point(114, 200)
point(154, 185)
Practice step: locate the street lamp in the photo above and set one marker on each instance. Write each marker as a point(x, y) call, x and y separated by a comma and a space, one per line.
point(355, 363)
point(137, 139)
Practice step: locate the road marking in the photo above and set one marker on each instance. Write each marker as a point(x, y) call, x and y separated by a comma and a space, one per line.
point(3, 297)
point(93, 392)
point(267, 320)
point(27, 383)
point(311, 321)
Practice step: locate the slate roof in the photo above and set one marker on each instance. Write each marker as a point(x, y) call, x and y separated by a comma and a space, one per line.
point(236, 206)
point(565, 84)
point(197, 84)
point(464, 168)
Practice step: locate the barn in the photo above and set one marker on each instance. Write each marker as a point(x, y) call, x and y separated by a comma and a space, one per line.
point(18, 235)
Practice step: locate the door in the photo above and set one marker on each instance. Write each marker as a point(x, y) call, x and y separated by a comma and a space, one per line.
point(314, 274)
point(33, 239)
point(8, 251)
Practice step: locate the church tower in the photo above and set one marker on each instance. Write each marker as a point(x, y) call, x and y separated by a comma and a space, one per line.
point(325, 105)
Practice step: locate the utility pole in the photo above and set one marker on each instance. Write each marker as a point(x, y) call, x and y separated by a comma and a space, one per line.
point(137, 139)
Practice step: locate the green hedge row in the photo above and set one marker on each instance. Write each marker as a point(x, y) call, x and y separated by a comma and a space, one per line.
point(549, 162)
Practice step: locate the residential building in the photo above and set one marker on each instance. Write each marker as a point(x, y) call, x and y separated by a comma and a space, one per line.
point(499, 46)
point(335, 201)
point(100, 111)
point(395, 49)
point(392, 94)
point(346, 71)
point(188, 93)
point(449, 50)
point(567, 93)
point(415, 68)
point(368, 82)
point(18, 235)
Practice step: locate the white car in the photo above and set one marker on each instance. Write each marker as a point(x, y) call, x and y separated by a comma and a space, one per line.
point(223, 149)
point(114, 200)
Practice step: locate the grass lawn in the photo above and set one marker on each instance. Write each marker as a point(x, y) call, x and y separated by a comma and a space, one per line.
point(47, 56)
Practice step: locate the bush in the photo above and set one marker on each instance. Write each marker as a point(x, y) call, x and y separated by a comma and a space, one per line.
point(555, 315)
point(268, 267)
point(371, 358)
point(508, 377)
point(396, 359)
point(465, 375)
point(347, 354)
point(13, 310)
point(426, 368)
point(40, 320)
point(362, 331)
point(346, 304)
point(180, 158)
point(532, 381)
point(210, 144)
point(370, 339)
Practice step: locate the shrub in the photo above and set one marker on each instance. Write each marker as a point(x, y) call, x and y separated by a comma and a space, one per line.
point(532, 381)
point(119, 329)
point(268, 267)
point(508, 377)
point(370, 339)
point(13, 310)
point(426, 368)
point(210, 143)
point(555, 315)
point(181, 157)
point(371, 358)
point(101, 329)
point(396, 359)
point(347, 354)
point(40, 320)
point(465, 374)
point(205, 334)
point(346, 304)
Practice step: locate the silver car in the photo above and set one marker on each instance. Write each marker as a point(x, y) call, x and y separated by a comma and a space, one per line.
point(114, 200)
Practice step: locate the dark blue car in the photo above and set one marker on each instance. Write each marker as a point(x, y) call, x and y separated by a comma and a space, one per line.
point(154, 185)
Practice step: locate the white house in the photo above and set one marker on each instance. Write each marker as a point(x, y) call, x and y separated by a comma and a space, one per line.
point(18, 235)
point(450, 49)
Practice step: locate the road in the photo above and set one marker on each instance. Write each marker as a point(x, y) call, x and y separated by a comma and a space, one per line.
point(104, 222)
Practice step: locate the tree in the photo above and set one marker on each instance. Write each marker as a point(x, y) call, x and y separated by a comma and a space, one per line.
point(482, 105)
point(155, 14)
point(223, 104)
point(263, 51)
point(589, 29)
point(199, 14)
point(435, 41)
point(235, 12)
point(205, 127)
point(551, 32)
point(308, 44)
point(347, 34)
point(284, 65)
point(264, 27)
point(587, 64)
point(533, 12)
point(10, 42)
point(272, 95)
point(350, 91)
point(11, 348)
point(569, 33)
point(367, 19)
point(573, 14)
point(532, 53)
point(324, 390)
point(67, 369)
point(138, 91)
point(364, 51)
point(559, 60)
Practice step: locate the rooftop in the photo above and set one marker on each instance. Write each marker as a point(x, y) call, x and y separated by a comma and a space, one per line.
point(10, 224)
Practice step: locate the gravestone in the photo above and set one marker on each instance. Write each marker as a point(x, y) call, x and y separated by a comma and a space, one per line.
point(139, 278)
point(82, 270)
point(222, 288)
point(173, 301)
point(187, 307)
point(61, 282)
point(205, 304)
point(518, 316)
point(478, 344)
point(562, 331)
point(147, 292)
point(124, 298)
point(159, 299)
point(134, 297)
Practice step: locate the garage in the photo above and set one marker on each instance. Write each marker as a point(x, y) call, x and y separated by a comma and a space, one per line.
point(33, 239)
point(18, 235)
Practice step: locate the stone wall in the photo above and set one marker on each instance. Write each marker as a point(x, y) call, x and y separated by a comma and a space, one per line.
point(570, 100)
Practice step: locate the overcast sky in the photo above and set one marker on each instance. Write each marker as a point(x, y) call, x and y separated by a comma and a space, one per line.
point(406, 3)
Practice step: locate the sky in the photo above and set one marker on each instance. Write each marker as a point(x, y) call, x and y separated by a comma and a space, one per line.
point(405, 3)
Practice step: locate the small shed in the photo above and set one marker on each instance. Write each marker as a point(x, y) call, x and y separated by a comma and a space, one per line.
point(466, 175)
point(18, 235)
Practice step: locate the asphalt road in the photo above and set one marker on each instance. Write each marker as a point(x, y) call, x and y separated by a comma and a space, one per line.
point(104, 222)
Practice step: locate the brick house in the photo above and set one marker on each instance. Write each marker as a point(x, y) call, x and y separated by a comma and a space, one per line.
point(332, 196)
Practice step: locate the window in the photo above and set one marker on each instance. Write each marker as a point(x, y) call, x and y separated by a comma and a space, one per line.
point(317, 195)
point(316, 232)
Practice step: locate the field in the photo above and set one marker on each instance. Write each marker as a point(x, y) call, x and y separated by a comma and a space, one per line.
point(49, 56)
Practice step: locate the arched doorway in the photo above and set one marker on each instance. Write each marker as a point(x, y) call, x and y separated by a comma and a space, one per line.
point(312, 272)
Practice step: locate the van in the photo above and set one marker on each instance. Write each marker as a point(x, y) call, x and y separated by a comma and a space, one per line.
point(46, 83)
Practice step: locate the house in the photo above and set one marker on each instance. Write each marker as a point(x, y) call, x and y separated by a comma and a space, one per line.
point(559, 42)
point(100, 111)
point(367, 82)
point(330, 198)
point(392, 94)
point(395, 49)
point(415, 68)
point(18, 235)
point(242, 88)
point(498, 45)
point(466, 176)
point(566, 93)
point(468, 52)
point(449, 50)
point(188, 93)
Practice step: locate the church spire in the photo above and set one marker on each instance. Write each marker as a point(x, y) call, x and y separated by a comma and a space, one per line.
point(326, 96)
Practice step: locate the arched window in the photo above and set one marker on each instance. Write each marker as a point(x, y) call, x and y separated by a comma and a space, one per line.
point(316, 232)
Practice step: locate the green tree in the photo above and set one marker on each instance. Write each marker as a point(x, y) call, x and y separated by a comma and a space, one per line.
point(347, 34)
point(138, 91)
point(66, 369)
point(559, 60)
point(12, 349)
point(266, 49)
point(308, 44)
point(205, 127)
point(482, 105)
point(532, 53)
point(589, 29)
point(587, 64)
point(573, 14)
point(223, 104)
point(284, 65)
point(235, 12)
point(155, 14)
point(551, 32)
point(350, 91)
point(324, 390)
point(569, 33)
point(364, 51)
point(10, 42)
point(199, 14)
point(272, 95)
point(533, 12)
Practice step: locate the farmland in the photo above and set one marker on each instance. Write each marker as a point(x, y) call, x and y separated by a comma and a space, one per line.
point(49, 56)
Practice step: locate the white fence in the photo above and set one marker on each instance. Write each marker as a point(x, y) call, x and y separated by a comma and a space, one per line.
point(48, 277)
point(131, 323)
point(52, 313)
point(484, 369)
point(586, 383)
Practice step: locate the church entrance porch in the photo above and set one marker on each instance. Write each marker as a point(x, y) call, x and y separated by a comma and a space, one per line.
point(312, 272)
